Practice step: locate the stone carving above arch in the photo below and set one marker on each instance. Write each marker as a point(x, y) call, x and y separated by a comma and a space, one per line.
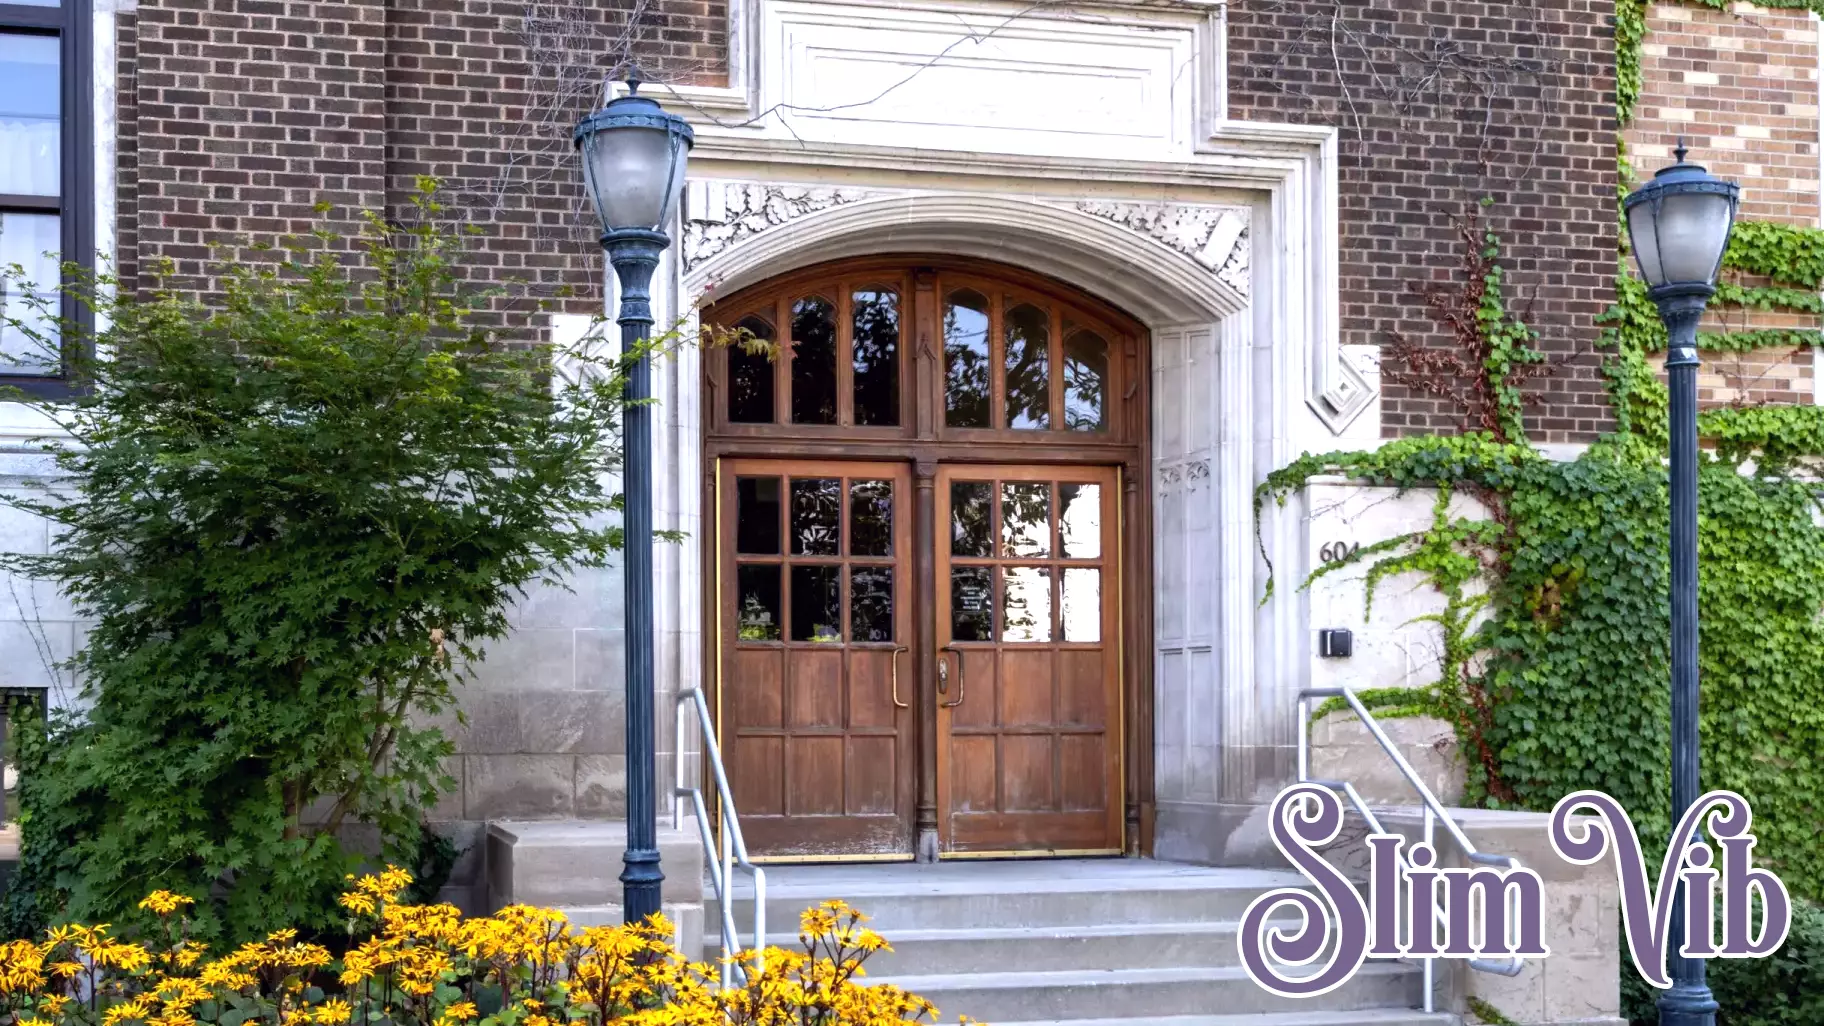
point(1215, 237)
point(718, 215)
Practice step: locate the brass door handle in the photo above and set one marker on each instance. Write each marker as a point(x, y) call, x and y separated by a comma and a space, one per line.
point(943, 676)
point(897, 704)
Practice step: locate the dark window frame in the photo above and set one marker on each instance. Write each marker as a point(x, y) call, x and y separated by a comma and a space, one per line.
point(73, 24)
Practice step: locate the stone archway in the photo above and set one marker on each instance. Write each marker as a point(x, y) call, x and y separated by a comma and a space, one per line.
point(1222, 733)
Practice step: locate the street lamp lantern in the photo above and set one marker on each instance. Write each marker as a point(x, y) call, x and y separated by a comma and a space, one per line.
point(633, 156)
point(1679, 223)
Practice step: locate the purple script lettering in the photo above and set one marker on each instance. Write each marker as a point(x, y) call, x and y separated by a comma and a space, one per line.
point(1584, 843)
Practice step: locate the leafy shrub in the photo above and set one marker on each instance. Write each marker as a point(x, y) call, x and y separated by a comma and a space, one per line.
point(425, 965)
point(1784, 989)
point(295, 509)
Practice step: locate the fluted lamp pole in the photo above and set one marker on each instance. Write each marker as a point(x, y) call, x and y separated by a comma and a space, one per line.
point(633, 155)
point(1679, 225)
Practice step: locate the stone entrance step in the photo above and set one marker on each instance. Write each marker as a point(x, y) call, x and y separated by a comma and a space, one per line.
point(1076, 942)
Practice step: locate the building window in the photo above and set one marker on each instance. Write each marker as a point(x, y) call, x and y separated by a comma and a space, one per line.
point(47, 195)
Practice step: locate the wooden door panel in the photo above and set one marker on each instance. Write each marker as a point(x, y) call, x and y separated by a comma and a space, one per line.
point(1026, 687)
point(1028, 752)
point(815, 609)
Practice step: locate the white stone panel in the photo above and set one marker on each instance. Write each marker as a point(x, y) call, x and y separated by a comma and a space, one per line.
point(981, 76)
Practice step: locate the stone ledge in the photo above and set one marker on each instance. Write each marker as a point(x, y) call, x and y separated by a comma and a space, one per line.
point(577, 863)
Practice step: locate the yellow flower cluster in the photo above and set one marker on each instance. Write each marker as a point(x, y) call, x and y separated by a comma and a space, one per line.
point(427, 965)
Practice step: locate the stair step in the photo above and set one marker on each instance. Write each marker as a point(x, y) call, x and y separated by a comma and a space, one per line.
point(1117, 946)
point(1360, 1017)
point(1135, 994)
point(965, 896)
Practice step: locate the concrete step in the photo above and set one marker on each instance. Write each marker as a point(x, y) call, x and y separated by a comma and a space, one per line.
point(1012, 894)
point(1108, 946)
point(1136, 994)
point(1362, 1017)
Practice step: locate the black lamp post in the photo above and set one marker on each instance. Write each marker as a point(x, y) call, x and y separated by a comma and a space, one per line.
point(1679, 224)
point(633, 156)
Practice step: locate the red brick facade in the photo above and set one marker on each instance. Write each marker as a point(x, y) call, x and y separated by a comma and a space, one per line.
point(238, 117)
point(1741, 88)
point(1440, 105)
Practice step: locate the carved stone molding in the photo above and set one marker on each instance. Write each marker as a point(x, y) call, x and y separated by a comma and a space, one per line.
point(1215, 237)
point(718, 215)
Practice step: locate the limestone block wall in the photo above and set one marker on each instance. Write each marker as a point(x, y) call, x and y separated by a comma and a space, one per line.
point(1392, 646)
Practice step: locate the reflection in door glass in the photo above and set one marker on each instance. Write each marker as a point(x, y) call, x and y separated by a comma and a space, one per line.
point(966, 359)
point(870, 518)
point(817, 604)
point(757, 515)
point(871, 603)
point(757, 603)
point(971, 523)
point(816, 516)
point(1080, 520)
point(1028, 332)
point(1082, 607)
point(750, 378)
point(1025, 519)
point(971, 603)
point(1025, 603)
point(813, 361)
point(1085, 382)
point(875, 343)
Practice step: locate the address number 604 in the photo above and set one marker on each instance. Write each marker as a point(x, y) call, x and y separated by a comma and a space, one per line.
point(1336, 552)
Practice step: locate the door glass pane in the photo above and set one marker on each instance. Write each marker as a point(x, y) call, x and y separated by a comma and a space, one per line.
point(816, 516)
point(971, 518)
point(871, 603)
point(757, 515)
point(1085, 382)
point(26, 239)
point(1082, 607)
point(813, 361)
point(817, 604)
point(750, 378)
point(757, 603)
point(1028, 333)
point(971, 603)
point(30, 102)
point(1025, 603)
point(875, 343)
point(1080, 520)
point(966, 396)
point(870, 518)
point(1025, 519)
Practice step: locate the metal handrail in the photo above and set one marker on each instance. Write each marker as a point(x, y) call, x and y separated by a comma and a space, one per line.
point(1434, 813)
point(734, 847)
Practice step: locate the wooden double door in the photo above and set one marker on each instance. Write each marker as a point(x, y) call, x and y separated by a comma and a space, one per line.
point(923, 472)
point(827, 723)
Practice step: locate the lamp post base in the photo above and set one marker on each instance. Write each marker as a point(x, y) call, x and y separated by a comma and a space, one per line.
point(1687, 1005)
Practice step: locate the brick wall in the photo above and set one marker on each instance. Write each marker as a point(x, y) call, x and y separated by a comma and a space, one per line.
point(1440, 105)
point(1741, 87)
point(238, 116)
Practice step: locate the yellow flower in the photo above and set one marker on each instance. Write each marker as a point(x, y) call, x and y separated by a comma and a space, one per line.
point(334, 1012)
point(54, 1003)
point(21, 967)
point(137, 1007)
point(357, 902)
point(165, 902)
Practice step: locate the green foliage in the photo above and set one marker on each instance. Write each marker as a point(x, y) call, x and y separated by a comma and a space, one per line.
point(1775, 437)
point(1789, 255)
point(1784, 989)
point(1761, 338)
point(294, 512)
point(1771, 297)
